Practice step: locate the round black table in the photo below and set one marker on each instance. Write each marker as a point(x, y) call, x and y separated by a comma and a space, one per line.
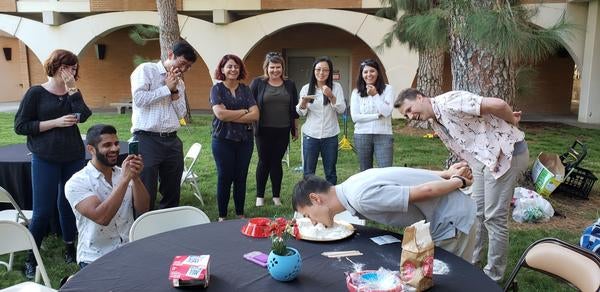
point(15, 171)
point(143, 265)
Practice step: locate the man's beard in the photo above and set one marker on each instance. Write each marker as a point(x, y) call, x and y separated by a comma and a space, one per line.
point(103, 159)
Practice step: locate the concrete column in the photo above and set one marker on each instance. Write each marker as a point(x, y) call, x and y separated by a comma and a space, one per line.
point(24, 73)
point(589, 102)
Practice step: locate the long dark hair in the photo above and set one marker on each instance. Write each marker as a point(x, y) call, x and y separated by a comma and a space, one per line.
point(313, 80)
point(361, 85)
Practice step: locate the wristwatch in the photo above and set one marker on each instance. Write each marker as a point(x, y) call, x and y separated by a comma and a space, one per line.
point(464, 181)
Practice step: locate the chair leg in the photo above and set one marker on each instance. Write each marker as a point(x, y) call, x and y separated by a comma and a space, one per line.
point(37, 274)
point(10, 262)
point(197, 191)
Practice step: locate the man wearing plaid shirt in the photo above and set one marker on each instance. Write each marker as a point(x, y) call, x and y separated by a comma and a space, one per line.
point(158, 94)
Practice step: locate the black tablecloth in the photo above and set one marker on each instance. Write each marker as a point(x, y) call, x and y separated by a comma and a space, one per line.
point(143, 265)
point(15, 172)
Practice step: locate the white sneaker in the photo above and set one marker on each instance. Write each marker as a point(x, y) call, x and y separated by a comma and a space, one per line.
point(260, 202)
point(277, 201)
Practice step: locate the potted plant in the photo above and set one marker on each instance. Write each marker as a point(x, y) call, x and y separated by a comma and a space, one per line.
point(284, 262)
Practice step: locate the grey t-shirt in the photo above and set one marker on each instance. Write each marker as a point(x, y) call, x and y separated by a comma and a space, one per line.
point(381, 194)
point(275, 111)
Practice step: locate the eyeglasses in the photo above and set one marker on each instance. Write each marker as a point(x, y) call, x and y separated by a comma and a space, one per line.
point(318, 70)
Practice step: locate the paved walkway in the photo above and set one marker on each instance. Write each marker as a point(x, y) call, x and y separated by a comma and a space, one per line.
point(570, 120)
point(9, 107)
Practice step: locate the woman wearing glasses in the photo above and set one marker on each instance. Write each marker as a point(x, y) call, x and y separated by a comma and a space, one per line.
point(232, 138)
point(321, 101)
point(372, 103)
point(276, 98)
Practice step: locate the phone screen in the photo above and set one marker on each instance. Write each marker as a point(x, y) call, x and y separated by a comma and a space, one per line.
point(133, 147)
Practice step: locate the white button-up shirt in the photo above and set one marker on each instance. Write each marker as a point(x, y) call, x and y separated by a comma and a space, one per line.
point(321, 120)
point(153, 110)
point(96, 240)
point(366, 110)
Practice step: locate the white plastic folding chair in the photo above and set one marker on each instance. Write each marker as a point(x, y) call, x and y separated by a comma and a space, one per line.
point(16, 215)
point(286, 157)
point(188, 174)
point(572, 264)
point(159, 221)
point(20, 240)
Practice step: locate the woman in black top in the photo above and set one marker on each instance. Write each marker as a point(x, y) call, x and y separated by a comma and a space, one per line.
point(48, 115)
point(276, 98)
point(232, 140)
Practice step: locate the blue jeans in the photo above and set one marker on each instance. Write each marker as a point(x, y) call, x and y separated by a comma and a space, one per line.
point(328, 148)
point(48, 186)
point(232, 159)
point(380, 145)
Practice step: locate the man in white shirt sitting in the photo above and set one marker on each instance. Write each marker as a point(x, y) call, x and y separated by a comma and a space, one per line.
point(104, 196)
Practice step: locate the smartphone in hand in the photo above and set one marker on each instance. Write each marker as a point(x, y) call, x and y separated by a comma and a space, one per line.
point(257, 257)
point(133, 148)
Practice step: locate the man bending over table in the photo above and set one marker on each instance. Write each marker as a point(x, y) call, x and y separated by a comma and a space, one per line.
point(104, 196)
point(398, 196)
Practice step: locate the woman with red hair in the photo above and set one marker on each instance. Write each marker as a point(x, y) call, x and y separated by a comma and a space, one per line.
point(48, 116)
point(232, 137)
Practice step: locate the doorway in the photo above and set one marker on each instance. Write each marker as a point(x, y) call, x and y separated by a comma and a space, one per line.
point(299, 66)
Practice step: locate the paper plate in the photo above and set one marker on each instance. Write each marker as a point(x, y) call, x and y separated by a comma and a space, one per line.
point(307, 231)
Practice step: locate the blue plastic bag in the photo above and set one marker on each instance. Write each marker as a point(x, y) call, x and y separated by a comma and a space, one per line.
point(590, 239)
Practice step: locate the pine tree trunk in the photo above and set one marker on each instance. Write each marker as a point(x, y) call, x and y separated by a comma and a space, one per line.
point(168, 25)
point(430, 78)
point(430, 75)
point(476, 69)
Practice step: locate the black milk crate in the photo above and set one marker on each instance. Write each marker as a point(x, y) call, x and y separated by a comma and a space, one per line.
point(579, 183)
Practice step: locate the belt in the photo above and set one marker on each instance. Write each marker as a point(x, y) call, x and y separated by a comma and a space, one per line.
point(159, 134)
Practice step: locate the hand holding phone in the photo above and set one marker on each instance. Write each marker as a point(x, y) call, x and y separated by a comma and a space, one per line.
point(257, 257)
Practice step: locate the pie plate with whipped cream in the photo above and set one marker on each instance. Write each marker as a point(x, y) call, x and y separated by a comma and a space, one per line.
point(308, 231)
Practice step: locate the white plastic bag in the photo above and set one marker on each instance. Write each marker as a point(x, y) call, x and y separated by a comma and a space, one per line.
point(531, 207)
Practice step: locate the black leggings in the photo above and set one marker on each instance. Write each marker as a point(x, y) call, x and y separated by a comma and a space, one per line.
point(271, 144)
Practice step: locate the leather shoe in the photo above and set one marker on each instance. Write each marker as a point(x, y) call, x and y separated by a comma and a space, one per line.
point(29, 270)
point(70, 255)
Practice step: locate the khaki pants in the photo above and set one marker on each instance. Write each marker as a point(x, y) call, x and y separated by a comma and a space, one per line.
point(493, 197)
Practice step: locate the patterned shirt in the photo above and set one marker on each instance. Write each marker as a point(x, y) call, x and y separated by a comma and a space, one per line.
point(366, 110)
point(152, 108)
point(321, 120)
point(243, 99)
point(96, 240)
point(474, 137)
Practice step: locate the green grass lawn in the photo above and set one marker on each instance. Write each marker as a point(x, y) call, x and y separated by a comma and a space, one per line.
point(410, 150)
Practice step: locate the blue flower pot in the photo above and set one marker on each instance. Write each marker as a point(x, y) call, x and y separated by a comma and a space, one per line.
point(285, 268)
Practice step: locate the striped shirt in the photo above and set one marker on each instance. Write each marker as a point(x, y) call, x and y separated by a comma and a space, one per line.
point(153, 110)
